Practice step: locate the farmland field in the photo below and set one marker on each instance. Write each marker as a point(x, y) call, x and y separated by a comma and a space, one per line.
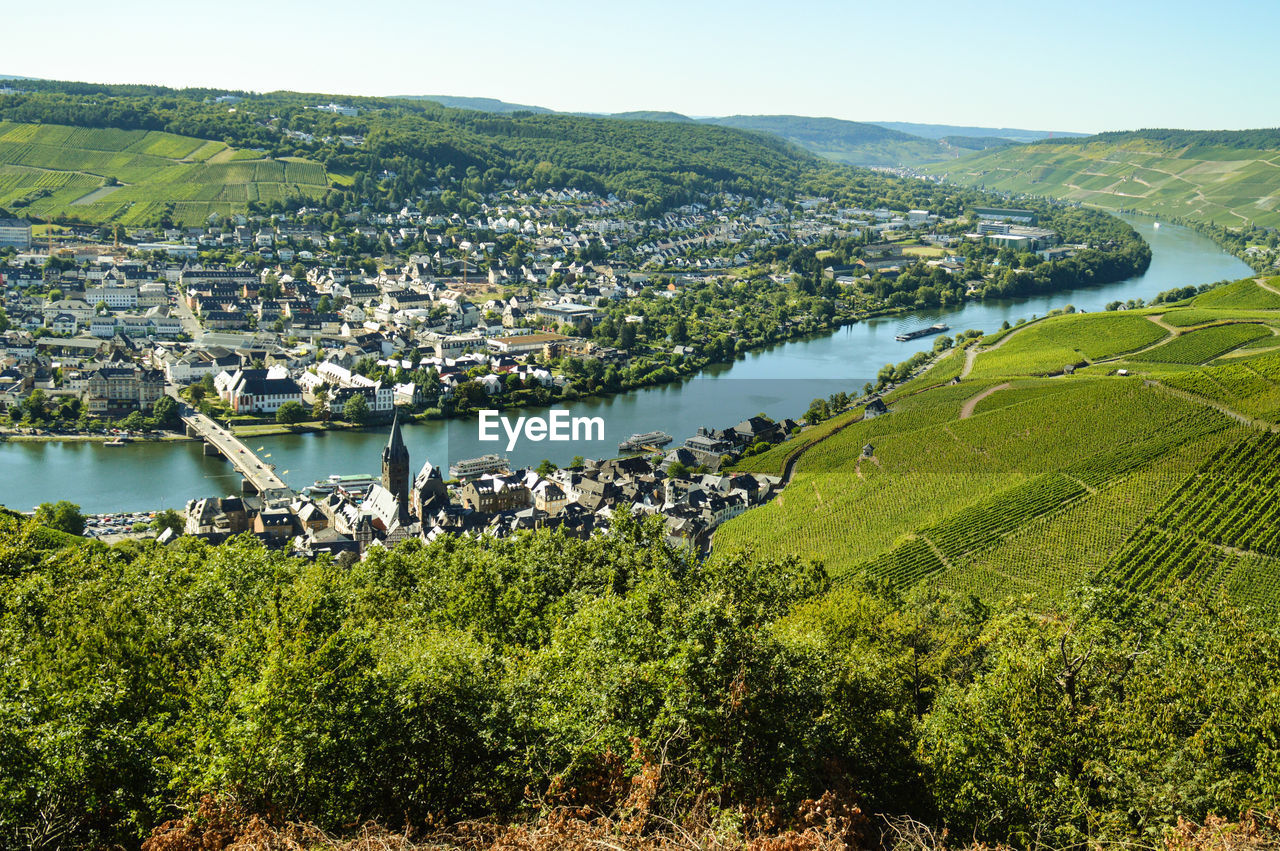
point(1246, 294)
point(933, 475)
point(46, 169)
point(1222, 521)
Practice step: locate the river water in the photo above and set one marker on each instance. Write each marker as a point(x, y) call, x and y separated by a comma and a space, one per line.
point(779, 381)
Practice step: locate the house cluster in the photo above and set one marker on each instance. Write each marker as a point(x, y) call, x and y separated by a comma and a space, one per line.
point(107, 378)
point(355, 513)
point(272, 331)
point(103, 298)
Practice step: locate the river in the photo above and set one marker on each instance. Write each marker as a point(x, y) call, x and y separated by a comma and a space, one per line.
point(779, 381)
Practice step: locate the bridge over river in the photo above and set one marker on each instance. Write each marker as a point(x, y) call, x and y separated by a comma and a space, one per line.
point(259, 476)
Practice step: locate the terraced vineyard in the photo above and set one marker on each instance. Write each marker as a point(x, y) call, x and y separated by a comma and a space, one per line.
point(928, 465)
point(1224, 519)
point(1048, 346)
point(49, 170)
point(1251, 386)
point(1205, 344)
point(1166, 474)
point(1241, 295)
point(1130, 171)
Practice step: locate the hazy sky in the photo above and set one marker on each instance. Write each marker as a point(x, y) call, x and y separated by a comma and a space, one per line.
point(1086, 65)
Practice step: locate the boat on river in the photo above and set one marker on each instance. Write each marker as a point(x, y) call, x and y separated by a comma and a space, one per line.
point(643, 441)
point(357, 482)
point(469, 467)
point(937, 328)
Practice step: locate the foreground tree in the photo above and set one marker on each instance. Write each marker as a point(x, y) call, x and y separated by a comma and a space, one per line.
point(62, 515)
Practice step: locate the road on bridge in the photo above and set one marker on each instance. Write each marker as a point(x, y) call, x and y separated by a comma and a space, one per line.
point(260, 475)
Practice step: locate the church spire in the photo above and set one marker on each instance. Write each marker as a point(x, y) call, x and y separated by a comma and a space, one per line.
point(395, 468)
point(395, 445)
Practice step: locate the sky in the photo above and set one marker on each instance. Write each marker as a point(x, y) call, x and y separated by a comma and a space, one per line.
point(1087, 65)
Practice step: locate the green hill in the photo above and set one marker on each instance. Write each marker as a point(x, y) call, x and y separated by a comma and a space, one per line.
point(880, 143)
point(132, 176)
point(1020, 479)
point(1228, 178)
point(651, 115)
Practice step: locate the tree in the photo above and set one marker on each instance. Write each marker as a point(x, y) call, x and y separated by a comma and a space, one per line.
point(62, 515)
point(356, 410)
point(165, 411)
point(33, 405)
point(546, 468)
point(679, 331)
point(819, 410)
point(677, 470)
point(168, 519)
point(292, 412)
point(55, 294)
point(100, 308)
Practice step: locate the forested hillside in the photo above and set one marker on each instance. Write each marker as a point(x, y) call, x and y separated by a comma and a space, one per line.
point(617, 688)
point(392, 149)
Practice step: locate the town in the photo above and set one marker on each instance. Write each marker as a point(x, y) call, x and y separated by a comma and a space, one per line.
point(301, 320)
point(350, 514)
point(298, 317)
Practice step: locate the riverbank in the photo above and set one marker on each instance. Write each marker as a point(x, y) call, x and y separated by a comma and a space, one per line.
point(40, 436)
point(309, 427)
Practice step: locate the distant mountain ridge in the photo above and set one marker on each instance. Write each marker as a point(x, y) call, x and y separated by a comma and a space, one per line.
point(478, 104)
point(941, 131)
point(852, 142)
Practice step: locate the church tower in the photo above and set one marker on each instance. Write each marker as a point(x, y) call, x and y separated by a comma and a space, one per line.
point(395, 469)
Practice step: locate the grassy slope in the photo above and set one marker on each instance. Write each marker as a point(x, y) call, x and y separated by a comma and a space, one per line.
point(56, 169)
point(1229, 186)
point(1052, 480)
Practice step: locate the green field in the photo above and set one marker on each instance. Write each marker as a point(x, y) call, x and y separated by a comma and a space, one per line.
point(1205, 344)
point(1053, 480)
point(1245, 295)
point(1228, 186)
point(53, 171)
point(1048, 346)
